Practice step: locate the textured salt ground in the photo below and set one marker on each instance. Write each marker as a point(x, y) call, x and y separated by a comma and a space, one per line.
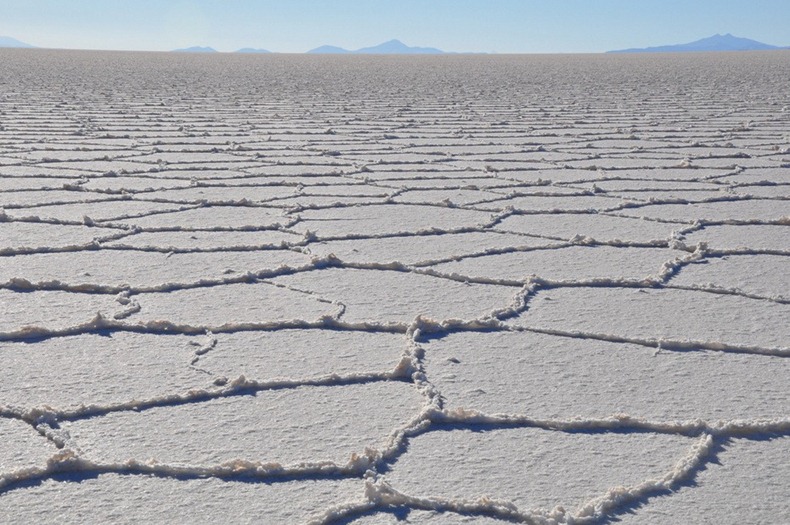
point(562, 350)
point(347, 189)
point(22, 446)
point(30, 199)
point(418, 516)
point(97, 211)
point(294, 181)
point(220, 194)
point(661, 195)
point(478, 181)
point(19, 235)
point(40, 170)
point(574, 263)
point(557, 175)
point(760, 175)
point(189, 174)
point(216, 306)
point(134, 268)
point(393, 296)
point(386, 219)
point(287, 426)
point(208, 218)
point(531, 468)
point(53, 310)
point(321, 201)
point(742, 487)
point(459, 196)
point(206, 240)
point(765, 191)
point(651, 315)
point(114, 498)
point(750, 237)
point(12, 184)
point(551, 203)
point(302, 353)
point(563, 377)
point(121, 184)
point(595, 226)
point(762, 275)
point(625, 186)
point(43, 373)
point(422, 249)
point(743, 210)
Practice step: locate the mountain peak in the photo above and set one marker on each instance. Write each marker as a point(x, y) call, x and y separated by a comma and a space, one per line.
point(329, 50)
point(717, 42)
point(7, 41)
point(390, 47)
point(195, 49)
point(253, 50)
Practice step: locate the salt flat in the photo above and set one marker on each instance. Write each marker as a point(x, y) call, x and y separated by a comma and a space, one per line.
point(376, 290)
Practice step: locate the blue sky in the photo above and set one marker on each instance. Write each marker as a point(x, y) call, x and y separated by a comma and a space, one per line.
point(503, 26)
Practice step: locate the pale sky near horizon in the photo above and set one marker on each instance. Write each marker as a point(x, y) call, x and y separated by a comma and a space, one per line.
point(295, 26)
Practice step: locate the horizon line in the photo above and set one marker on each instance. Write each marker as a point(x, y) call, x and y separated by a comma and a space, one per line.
point(185, 51)
point(407, 49)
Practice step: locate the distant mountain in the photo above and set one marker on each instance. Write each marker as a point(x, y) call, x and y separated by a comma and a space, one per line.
point(393, 47)
point(717, 42)
point(7, 41)
point(252, 50)
point(329, 50)
point(196, 49)
point(396, 47)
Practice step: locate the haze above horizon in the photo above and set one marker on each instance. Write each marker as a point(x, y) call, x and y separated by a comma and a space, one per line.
point(505, 26)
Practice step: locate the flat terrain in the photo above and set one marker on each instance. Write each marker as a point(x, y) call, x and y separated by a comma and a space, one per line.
point(379, 290)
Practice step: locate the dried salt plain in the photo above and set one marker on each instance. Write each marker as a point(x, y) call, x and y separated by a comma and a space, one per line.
point(360, 290)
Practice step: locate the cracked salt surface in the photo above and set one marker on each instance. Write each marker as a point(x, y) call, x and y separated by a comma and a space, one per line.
point(289, 426)
point(762, 275)
point(399, 296)
point(742, 238)
point(22, 446)
point(743, 486)
point(219, 217)
point(217, 306)
point(395, 517)
point(563, 377)
point(40, 237)
point(573, 263)
point(136, 269)
point(109, 371)
point(119, 498)
point(103, 211)
point(303, 353)
point(721, 210)
point(186, 241)
point(28, 311)
point(595, 226)
point(387, 219)
point(533, 469)
point(422, 250)
point(681, 317)
point(475, 290)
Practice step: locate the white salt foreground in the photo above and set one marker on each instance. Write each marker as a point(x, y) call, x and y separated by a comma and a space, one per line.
point(548, 290)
